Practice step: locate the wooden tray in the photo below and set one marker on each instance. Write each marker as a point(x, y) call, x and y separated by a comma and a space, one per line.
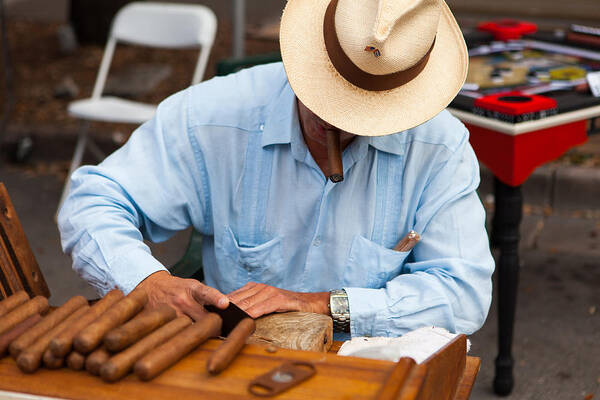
point(336, 377)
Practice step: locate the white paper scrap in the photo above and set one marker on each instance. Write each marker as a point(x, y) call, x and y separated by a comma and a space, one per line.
point(418, 345)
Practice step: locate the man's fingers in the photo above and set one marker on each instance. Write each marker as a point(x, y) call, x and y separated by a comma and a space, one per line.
point(246, 291)
point(262, 295)
point(243, 289)
point(260, 309)
point(207, 295)
point(273, 303)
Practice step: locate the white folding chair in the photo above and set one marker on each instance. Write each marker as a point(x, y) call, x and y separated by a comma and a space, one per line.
point(158, 25)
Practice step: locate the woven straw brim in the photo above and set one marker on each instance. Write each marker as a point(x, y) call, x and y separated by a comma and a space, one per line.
point(324, 91)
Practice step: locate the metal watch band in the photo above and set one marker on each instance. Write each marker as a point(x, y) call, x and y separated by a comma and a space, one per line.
point(340, 310)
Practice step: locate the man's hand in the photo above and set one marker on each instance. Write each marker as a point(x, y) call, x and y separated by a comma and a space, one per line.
point(186, 296)
point(259, 299)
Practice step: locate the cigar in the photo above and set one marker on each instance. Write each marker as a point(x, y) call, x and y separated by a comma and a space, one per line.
point(13, 301)
point(90, 337)
point(95, 359)
point(334, 155)
point(178, 346)
point(49, 322)
point(37, 305)
point(75, 361)
point(29, 360)
point(52, 362)
point(226, 352)
point(120, 364)
point(141, 325)
point(408, 242)
point(62, 344)
point(7, 338)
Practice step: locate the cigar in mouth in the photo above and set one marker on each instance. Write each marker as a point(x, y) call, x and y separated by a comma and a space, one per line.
point(334, 155)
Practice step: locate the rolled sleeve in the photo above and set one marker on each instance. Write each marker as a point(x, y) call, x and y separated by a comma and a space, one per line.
point(148, 189)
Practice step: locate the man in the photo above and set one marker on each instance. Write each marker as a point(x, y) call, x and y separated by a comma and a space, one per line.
point(244, 160)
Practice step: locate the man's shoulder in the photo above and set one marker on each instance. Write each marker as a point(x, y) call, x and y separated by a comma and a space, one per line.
point(238, 99)
point(443, 130)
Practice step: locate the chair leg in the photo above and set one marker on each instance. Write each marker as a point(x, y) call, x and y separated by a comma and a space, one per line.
point(75, 163)
point(95, 150)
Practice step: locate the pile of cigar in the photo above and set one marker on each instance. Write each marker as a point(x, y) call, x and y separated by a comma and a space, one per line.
point(110, 338)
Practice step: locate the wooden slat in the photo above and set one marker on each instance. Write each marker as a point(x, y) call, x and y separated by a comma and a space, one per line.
point(444, 370)
point(397, 380)
point(468, 379)
point(19, 269)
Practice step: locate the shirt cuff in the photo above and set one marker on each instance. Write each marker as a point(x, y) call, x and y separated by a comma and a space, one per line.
point(366, 308)
point(129, 269)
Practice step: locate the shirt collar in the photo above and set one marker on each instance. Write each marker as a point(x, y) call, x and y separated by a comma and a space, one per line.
point(395, 143)
point(281, 119)
point(281, 126)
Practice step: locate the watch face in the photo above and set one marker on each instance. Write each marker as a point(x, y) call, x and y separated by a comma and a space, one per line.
point(339, 305)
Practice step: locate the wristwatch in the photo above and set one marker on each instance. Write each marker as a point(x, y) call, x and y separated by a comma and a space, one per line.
point(340, 310)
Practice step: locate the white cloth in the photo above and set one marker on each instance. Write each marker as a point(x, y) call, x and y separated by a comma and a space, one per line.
point(419, 345)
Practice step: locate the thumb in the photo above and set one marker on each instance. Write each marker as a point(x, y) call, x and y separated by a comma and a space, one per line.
point(207, 295)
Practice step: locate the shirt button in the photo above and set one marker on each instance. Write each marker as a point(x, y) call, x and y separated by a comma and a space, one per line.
point(317, 241)
point(262, 127)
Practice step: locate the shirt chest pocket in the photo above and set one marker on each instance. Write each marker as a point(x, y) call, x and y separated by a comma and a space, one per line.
point(261, 263)
point(372, 265)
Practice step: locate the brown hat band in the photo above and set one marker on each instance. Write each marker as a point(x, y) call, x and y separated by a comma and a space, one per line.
point(357, 76)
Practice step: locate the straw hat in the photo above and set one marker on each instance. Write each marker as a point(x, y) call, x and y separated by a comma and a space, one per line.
point(373, 67)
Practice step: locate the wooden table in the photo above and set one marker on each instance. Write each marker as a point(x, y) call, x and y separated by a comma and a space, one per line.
point(337, 377)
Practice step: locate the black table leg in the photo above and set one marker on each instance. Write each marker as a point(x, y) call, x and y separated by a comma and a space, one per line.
point(505, 236)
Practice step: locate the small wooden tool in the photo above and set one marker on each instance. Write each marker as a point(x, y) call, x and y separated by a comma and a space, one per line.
point(408, 242)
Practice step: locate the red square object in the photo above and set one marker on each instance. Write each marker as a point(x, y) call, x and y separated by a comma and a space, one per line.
point(508, 29)
point(515, 103)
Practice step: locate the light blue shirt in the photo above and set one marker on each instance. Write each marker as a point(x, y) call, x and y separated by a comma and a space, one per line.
point(228, 157)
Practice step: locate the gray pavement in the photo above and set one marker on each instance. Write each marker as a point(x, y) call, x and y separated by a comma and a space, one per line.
point(558, 316)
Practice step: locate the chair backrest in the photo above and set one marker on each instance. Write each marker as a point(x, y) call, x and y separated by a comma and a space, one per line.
point(161, 25)
point(18, 268)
